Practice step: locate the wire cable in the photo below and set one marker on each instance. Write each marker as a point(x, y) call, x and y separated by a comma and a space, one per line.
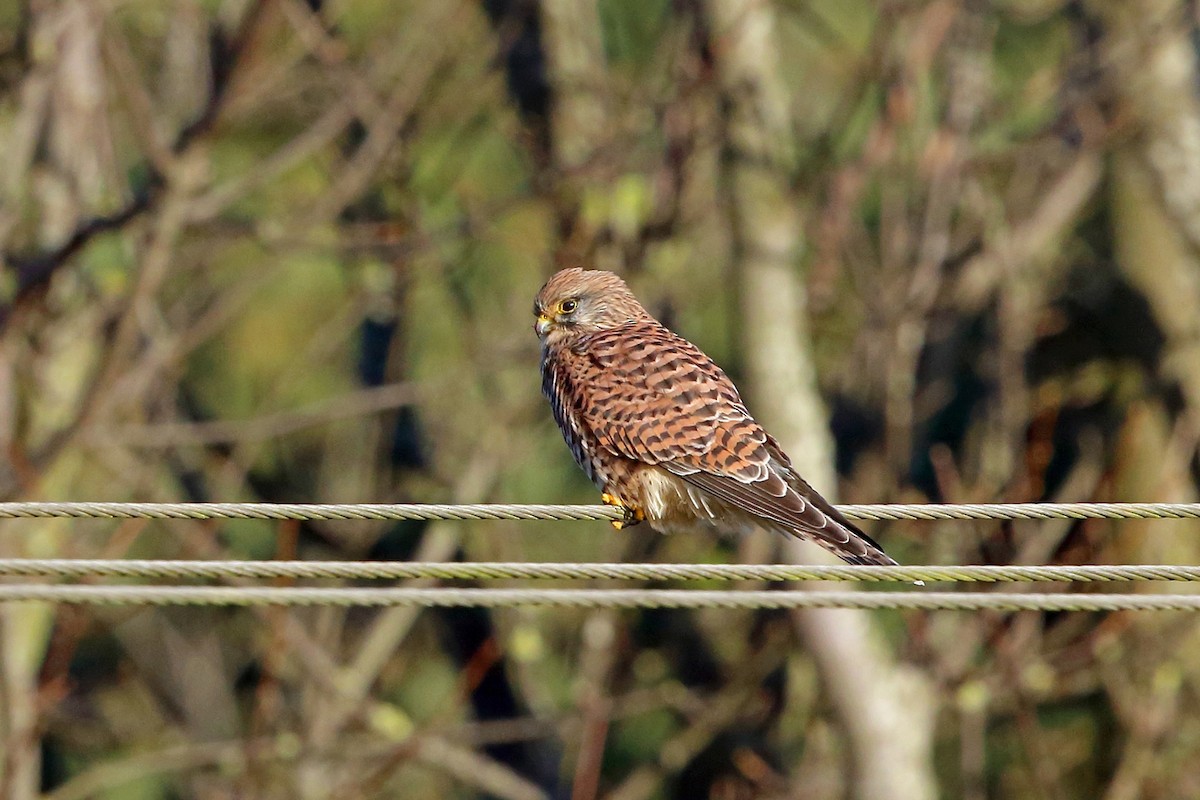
point(307, 511)
point(510, 511)
point(591, 598)
point(395, 570)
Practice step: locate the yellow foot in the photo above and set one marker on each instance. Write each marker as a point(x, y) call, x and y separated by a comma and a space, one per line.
point(632, 515)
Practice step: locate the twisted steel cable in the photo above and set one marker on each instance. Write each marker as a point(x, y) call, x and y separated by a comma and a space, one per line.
point(614, 598)
point(979, 511)
point(511, 511)
point(388, 570)
point(591, 598)
point(307, 511)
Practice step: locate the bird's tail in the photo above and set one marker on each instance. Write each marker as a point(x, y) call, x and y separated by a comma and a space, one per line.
point(844, 539)
point(859, 549)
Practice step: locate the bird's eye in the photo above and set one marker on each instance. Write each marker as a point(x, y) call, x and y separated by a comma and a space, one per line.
point(568, 306)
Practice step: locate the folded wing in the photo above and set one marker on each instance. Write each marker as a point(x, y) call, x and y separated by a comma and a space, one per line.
point(655, 398)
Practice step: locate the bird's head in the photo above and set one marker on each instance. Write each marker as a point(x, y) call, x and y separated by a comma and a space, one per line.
point(577, 301)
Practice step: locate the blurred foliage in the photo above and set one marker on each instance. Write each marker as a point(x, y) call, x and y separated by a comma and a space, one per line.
point(285, 251)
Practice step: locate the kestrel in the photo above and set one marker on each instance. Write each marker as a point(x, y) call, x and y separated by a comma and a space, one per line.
point(662, 431)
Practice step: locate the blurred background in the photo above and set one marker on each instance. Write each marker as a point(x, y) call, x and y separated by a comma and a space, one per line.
point(286, 251)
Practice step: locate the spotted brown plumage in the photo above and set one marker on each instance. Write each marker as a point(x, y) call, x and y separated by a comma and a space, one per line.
point(660, 428)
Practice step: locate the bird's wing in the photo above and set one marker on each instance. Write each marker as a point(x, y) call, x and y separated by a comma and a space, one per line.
point(653, 397)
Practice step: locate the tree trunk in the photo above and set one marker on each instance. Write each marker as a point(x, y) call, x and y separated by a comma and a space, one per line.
point(886, 710)
point(1155, 179)
point(72, 86)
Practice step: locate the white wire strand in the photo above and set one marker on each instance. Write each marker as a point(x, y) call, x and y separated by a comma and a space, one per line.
point(381, 511)
point(396, 570)
point(591, 598)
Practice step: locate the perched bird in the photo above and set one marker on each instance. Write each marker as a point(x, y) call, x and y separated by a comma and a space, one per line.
point(662, 431)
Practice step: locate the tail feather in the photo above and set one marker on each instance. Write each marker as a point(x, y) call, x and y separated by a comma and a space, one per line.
point(856, 548)
point(838, 535)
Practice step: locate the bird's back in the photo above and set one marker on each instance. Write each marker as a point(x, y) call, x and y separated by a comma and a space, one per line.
point(639, 397)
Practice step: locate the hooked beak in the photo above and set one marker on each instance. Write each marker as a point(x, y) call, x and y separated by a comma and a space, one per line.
point(542, 326)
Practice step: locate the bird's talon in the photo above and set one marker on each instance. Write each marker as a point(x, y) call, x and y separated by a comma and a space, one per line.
point(632, 516)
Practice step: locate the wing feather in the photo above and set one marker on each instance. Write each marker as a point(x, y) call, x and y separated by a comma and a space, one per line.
point(651, 396)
